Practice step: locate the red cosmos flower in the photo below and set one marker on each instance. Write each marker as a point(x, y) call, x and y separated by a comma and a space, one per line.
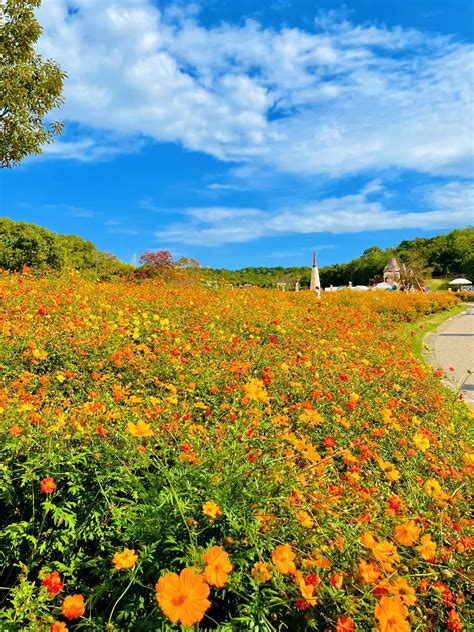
point(101, 431)
point(302, 604)
point(394, 502)
point(329, 442)
point(48, 485)
point(345, 624)
point(312, 580)
point(52, 582)
point(336, 580)
point(446, 595)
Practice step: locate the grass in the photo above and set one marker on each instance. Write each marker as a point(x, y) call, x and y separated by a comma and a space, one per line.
point(436, 285)
point(429, 324)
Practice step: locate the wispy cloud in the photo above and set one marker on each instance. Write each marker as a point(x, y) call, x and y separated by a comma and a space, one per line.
point(451, 206)
point(336, 100)
point(77, 211)
point(297, 253)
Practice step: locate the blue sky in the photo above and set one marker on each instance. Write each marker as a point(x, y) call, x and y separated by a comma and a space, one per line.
point(250, 133)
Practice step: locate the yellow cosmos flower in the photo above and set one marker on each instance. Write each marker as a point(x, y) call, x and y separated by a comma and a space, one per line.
point(468, 458)
point(389, 470)
point(433, 489)
point(421, 442)
point(125, 559)
point(140, 429)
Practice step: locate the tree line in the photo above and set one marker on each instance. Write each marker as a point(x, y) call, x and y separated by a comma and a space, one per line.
point(441, 256)
point(23, 244)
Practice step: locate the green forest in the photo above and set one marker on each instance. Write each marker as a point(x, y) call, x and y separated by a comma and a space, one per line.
point(23, 244)
point(441, 256)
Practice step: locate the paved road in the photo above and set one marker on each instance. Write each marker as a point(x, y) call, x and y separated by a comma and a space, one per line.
point(452, 346)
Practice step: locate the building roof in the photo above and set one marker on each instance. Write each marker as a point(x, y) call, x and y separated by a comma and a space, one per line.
point(392, 265)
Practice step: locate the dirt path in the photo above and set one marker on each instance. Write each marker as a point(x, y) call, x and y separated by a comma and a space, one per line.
point(451, 346)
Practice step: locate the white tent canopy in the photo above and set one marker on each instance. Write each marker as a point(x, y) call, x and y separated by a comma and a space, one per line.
point(460, 282)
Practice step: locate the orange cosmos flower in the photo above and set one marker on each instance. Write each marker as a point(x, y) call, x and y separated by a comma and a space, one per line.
point(183, 598)
point(403, 589)
point(386, 554)
point(73, 607)
point(48, 485)
point(391, 615)
point(307, 592)
point(369, 572)
point(140, 429)
point(368, 540)
point(407, 533)
point(58, 626)
point(255, 390)
point(398, 588)
point(261, 572)
point(345, 624)
point(304, 519)
point(282, 558)
point(427, 548)
point(218, 566)
point(454, 622)
point(211, 509)
point(52, 582)
point(125, 559)
point(15, 430)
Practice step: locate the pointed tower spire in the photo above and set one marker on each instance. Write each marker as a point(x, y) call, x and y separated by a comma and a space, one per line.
point(315, 284)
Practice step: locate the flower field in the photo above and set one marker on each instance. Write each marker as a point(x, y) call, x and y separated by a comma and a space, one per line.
point(228, 460)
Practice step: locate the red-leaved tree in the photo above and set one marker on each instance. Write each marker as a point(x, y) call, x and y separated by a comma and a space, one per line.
point(156, 264)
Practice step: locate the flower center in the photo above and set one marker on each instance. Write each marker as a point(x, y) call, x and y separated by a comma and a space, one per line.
point(179, 599)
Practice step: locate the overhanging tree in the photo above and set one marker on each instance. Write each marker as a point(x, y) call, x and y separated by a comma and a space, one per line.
point(29, 85)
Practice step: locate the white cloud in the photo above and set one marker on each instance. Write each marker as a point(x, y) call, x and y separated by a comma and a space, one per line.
point(338, 100)
point(452, 204)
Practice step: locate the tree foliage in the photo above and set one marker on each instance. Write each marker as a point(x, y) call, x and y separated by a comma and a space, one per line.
point(29, 85)
point(23, 244)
